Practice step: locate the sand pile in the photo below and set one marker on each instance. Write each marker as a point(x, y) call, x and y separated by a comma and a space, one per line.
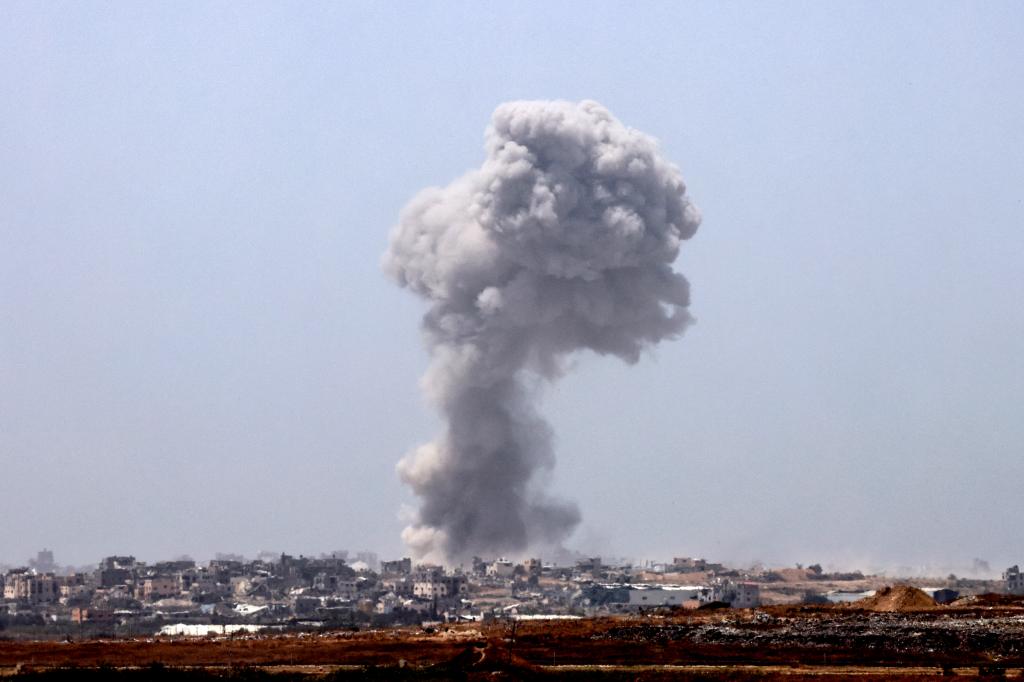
point(896, 598)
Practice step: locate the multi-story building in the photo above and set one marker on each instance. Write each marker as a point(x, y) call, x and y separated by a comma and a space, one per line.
point(398, 567)
point(115, 570)
point(197, 579)
point(1014, 580)
point(343, 588)
point(31, 588)
point(159, 587)
point(73, 588)
point(43, 563)
point(402, 587)
point(739, 595)
point(436, 585)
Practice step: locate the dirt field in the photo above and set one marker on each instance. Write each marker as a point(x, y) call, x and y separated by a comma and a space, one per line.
point(894, 636)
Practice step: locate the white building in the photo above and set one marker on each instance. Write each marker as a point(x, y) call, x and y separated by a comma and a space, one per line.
point(662, 595)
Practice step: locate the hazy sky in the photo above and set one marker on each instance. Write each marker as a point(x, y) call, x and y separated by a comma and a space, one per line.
point(199, 352)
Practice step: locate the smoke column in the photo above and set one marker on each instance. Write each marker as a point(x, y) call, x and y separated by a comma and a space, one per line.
point(563, 240)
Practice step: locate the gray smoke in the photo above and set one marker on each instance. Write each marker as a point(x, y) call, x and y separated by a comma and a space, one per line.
point(562, 240)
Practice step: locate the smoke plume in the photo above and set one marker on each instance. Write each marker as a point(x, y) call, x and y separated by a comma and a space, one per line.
point(562, 240)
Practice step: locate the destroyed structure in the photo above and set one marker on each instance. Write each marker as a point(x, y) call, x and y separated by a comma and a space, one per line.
point(1014, 580)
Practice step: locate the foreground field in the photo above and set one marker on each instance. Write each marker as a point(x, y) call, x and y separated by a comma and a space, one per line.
point(906, 641)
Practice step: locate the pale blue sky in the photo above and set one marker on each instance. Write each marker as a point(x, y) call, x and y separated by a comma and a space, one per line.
point(198, 351)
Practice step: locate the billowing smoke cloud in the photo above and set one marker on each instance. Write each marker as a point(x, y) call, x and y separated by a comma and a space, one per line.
point(562, 240)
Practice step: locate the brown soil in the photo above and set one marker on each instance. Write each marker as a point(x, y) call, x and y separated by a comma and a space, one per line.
point(898, 599)
point(988, 601)
point(893, 636)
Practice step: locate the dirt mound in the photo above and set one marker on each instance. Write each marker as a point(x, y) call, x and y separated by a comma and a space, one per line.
point(989, 600)
point(793, 575)
point(898, 598)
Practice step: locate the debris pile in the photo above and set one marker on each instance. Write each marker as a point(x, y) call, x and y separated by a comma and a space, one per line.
point(896, 599)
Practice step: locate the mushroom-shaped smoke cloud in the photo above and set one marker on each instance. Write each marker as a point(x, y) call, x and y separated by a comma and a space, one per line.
point(562, 240)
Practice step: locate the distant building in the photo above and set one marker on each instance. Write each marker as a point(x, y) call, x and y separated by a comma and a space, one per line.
point(124, 562)
point(346, 589)
point(31, 588)
point(747, 596)
point(436, 585)
point(43, 563)
point(739, 595)
point(115, 570)
point(251, 586)
point(168, 567)
point(402, 587)
point(388, 603)
point(501, 568)
point(401, 566)
point(159, 587)
point(690, 565)
point(73, 587)
point(615, 597)
point(86, 615)
point(197, 580)
point(1014, 580)
point(643, 596)
point(687, 564)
